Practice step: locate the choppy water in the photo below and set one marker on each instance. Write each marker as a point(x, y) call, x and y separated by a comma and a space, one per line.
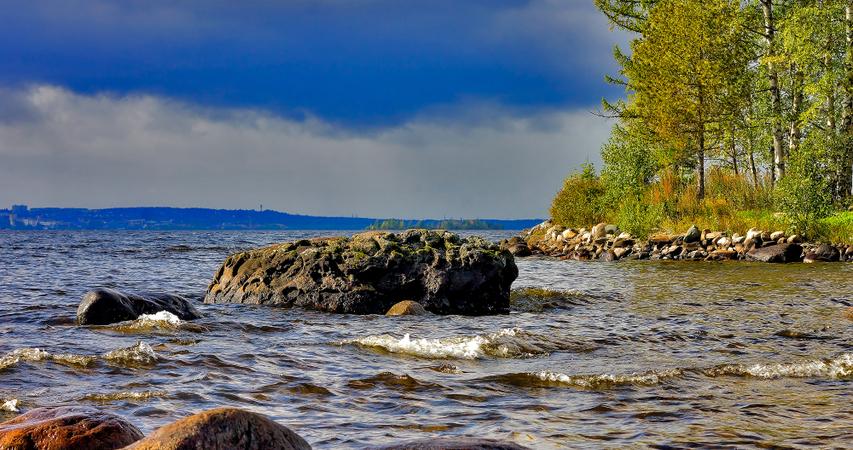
point(649, 353)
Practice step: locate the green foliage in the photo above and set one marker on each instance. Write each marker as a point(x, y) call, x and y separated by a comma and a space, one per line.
point(580, 201)
point(805, 194)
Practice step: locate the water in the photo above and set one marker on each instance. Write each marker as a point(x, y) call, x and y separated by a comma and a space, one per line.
point(648, 353)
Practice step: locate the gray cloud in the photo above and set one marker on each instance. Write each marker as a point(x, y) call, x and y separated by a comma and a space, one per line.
point(469, 161)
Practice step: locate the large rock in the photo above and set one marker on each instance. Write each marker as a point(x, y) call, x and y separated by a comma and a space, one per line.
point(407, 308)
point(67, 428)
point(779, 253)
point(453, 444)
point(368, 273)
point(223, 429)
point(105, 306)
point(823, 253)
point(518, 246)
point(693, 235)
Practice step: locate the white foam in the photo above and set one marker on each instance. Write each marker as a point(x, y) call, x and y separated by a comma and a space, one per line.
point(158, 319)
point(10, 405)
point(498, 344)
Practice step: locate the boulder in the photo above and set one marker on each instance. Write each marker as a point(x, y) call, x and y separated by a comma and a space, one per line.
point(776, 235)
point(780, 253)
point(823, 253)
point(407, 308)
point(693, 235)
point(105, 306)
point(453, 444)
point(67, 428)
point(516, 246)
point(794, 239)
point(223, 429)
point(599, 230)
point(369, 272)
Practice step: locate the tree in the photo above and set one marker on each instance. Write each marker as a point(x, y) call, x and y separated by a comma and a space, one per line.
point(688, 73)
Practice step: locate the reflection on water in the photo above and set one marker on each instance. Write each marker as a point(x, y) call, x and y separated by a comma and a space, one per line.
point(732, 354)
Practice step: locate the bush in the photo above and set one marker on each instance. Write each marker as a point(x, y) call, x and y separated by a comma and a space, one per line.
point(580, 201)
point(805, 194)
point(638, 216)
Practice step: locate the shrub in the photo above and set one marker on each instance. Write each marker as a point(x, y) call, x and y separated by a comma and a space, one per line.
point(805, 194)
point(580, 201)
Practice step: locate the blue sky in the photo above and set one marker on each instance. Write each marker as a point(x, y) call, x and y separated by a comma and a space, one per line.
point(394, 79)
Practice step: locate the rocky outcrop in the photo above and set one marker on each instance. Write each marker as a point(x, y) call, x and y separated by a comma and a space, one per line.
point(453, 444)
point(370, 272)
point(223, 429)
point(106, 306)
point(67, 428)
point(407, 308)
point(568, 243)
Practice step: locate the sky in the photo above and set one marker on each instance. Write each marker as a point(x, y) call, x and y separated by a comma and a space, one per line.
point(376, 108)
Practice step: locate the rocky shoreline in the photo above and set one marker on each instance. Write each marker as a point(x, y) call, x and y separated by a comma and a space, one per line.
point(605, 242)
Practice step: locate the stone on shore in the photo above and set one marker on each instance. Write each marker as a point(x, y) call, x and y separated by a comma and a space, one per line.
point(223, 429)
point(106, 306)
point(823, 253)
point(779, 253)
point(369, 272)
point(518, 246)
point(693, 235)
point(407, 308)
point(67, 428)
point(453, 444)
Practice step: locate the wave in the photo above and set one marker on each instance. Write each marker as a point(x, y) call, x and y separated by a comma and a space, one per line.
point(36, 354)
point(160, 321)
point(506, 343)
point(124, 395)
point(833, 368)
point(10, 405)
point(139, 354)
point(840, 367)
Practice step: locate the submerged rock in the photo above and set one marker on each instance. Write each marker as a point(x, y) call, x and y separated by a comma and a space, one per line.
point(223, 429)
point(453, 444)
point(67, 428)
point(779, 253)
point(369, 272)
point(407, 308)
point(106, 306)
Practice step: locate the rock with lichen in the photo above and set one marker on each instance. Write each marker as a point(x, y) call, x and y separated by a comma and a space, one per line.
point(370, 272)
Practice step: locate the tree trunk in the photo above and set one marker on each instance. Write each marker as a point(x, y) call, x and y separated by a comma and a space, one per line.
point(778, 149)
point(752, 166)
point(796, 104)
point(700, 170)
point(847, 126)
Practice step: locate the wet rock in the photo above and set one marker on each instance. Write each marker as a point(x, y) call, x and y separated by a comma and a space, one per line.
point(693, 235)
point(407, 308)
point(106, 306)
point(67, 428)
point(823, 253)
point(369, 272)
point(780, 253)
point(223, 429)
point(453, 444)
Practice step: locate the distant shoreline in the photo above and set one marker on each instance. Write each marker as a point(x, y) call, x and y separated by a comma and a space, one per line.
point(21, 217)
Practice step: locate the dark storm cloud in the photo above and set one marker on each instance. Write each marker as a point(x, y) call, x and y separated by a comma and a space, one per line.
point(356, 62)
